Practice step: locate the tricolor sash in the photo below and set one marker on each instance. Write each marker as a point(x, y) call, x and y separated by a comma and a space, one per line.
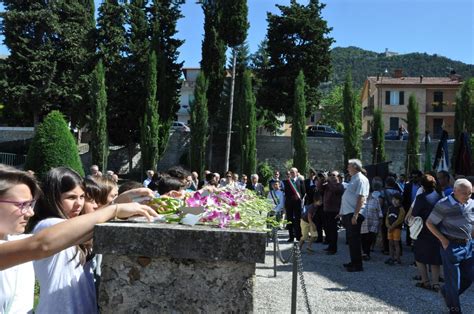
point(274, 197)
point(294, 188)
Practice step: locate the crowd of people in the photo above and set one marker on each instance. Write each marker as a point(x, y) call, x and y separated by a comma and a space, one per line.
point(36, 220)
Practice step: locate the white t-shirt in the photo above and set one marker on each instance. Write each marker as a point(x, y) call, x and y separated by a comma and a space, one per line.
point(17, 285)
point(65, 285)
point(358, 186)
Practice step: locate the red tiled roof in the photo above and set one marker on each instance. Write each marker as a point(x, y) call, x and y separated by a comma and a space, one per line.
point(414, 81)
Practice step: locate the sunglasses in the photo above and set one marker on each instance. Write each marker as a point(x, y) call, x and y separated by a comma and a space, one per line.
point(22, 206)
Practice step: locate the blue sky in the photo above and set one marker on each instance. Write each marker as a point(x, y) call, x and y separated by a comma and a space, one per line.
point(444, 27)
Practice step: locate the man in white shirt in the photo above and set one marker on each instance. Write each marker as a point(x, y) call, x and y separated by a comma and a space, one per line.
point(353, 200)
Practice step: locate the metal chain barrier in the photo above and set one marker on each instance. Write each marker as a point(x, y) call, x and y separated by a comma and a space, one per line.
point(280, 255)
point(299, 261)
point(296, 257)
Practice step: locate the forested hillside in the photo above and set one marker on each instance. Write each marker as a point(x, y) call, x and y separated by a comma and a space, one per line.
point(368, 63)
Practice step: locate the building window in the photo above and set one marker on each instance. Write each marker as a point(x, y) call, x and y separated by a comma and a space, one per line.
point(438, 97)
point(394, 98)
point(394, 123)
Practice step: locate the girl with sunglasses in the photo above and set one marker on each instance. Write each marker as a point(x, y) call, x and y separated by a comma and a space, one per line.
point(18, 192)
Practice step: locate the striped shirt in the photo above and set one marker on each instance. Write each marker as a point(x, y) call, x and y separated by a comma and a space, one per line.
point(455, 220)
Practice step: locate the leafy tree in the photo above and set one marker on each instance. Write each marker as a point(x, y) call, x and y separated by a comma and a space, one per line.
point(248, 126)
point(76, 57)
point(199, 125)
point(259, 63)
point(29, 29)
point(233, 30)
point(164, 16)
point(331, 109)
point(265, 172)
point(413, 145)
point(378, 138)
point(213, 62)
point(53, 145)
point(99, 142)
point(297, 40)
point(150, 122)
point(298, 134)
point(352, 121)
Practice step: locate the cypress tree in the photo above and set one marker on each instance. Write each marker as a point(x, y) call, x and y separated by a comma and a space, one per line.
point(464, 115)
point(233, 31)
point(213, 63)
point(248, 127)
point(111, 49)
point(413, 145)
point(98, 123)
point(352, 121)
point(150, 124)
point(298, 134)
point(199, 125)
point(378, 138)
point(53, 146)
point(164, 16)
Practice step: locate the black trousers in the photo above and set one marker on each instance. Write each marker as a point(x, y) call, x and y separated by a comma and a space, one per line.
point(293, 214)
point(367, 239)
point(331, 230)
point(353, 235)
point(318, 220)
point(384, 234)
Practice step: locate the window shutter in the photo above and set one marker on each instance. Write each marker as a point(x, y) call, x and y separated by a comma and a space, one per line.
point(402, 98)
point(387, 97)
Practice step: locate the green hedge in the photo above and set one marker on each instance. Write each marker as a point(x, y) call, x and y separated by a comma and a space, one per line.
point(53, 145)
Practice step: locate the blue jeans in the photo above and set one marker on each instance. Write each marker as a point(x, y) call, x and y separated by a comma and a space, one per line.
point(458, 267)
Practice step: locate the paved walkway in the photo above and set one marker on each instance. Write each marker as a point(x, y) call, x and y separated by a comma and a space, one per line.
point(379, 289)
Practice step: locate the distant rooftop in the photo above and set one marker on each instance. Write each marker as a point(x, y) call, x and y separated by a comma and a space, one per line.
point(382, 80)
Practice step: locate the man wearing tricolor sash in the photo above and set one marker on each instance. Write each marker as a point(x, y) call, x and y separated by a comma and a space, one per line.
point(294, 196)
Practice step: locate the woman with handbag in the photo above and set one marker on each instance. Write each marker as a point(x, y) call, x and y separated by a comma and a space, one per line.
point(426, 246)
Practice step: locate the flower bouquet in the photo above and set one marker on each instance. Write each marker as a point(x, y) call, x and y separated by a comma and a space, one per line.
point(229, 207)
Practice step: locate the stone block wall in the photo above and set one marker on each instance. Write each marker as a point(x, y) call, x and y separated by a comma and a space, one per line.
point(10, 134)
point(163, 268)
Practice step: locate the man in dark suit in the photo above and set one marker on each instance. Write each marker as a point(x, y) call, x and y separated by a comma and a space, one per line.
point(409, 194)
point(294, 194)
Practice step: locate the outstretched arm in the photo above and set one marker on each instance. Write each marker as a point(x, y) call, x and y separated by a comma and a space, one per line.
point(73, 231)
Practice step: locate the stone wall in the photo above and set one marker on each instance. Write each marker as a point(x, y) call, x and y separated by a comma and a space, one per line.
point(167, 268)
point(328, 153)
point(10, 134)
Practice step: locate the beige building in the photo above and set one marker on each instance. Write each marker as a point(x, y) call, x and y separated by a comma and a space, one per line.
point(436, 97)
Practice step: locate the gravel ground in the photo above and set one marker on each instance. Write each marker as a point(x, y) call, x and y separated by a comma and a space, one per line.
point(379, 288)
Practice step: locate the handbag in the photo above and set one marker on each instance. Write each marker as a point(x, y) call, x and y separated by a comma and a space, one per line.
point(415, 224)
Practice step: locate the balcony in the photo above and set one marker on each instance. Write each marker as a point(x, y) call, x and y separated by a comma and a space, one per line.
point(440, 109)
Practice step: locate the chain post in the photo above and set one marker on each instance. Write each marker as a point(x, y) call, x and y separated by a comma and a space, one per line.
point(275, 239)
point(294, 284)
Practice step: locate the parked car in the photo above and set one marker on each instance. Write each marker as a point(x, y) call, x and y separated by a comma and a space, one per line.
point(393, 135)
point(180, 127)
point(322, 131)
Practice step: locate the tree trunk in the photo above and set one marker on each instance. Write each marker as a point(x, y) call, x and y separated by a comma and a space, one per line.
point(231, 108)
